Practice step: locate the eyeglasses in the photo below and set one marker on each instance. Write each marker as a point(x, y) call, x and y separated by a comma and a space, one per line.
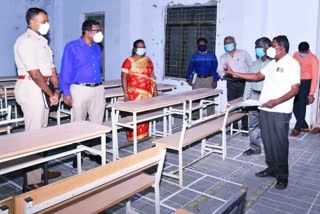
point(97, 31)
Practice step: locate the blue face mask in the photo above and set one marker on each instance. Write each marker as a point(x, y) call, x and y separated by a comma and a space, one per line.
point(303, 54)
point(260, 52)
point(202, 48)
point(229, 47)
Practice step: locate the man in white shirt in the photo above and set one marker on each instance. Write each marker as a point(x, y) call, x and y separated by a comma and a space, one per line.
point(239, 60)
point(253, 91)
point(281, 83)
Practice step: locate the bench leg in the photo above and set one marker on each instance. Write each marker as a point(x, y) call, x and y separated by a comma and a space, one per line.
point(129, 209)
point(180, 169)
point(79, 162)
point(203, 147)
point(157, 198)
point(224, 144)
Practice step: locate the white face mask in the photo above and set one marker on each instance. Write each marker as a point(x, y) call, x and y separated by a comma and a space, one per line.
point(141, 51)
point(271, 52)
point(44, 28)
point(98, 37)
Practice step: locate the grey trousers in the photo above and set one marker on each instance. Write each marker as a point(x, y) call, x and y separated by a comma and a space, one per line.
point(274, 133)
point(254, 124)
point(204, 83)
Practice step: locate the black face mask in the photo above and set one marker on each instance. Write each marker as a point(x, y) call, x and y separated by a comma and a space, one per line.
point(202, 48)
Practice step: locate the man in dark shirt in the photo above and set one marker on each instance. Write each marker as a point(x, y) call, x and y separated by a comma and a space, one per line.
point(202, 71)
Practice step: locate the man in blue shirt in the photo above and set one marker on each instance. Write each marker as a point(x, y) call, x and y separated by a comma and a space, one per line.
point(80, 75)
point(204, 65)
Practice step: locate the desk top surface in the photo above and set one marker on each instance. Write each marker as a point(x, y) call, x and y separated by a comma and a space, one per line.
point(25, 142)
point(111, 83)
point(117, 92)
point(164, 100)
point(199, 93)
point(148, 104)
point(7, 84)
point(8, 79)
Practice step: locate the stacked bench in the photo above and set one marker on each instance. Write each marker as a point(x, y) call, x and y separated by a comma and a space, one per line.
point(95, 190)
point(193, 132)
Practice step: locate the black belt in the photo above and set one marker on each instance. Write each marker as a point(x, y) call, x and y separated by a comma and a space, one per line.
point(305, 80)
point(89, 84)
point(204, 76)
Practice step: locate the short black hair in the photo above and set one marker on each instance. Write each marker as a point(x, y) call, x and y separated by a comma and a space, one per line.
point(283, 41)
point(32, 12)
point(303, 46)
point(265, 41)
point(135, 43)
point(87, 25)
point(201, 39)
point(230, 38)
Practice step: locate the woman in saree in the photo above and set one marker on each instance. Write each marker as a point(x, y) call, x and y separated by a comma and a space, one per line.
point(138, 82)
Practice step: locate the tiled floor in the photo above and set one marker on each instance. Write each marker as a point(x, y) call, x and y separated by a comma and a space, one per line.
point(211, 182)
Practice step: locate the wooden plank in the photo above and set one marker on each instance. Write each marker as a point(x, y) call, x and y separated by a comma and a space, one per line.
point(8, 79)
point(148, 104)
point(54, 114)
point(182, 211)
point(111, 83)
point(118, 92)
point(25, 142)
point(199, 132)
point(58, 188)
point(200, 93)
point(9, 202)
point(104, 198)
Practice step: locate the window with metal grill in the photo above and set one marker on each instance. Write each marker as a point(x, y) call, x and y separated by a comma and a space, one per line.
point(184, 25)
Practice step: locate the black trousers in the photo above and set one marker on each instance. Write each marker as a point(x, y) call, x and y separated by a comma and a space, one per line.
point(274, 134)
point(235, 89)
point(300, 104)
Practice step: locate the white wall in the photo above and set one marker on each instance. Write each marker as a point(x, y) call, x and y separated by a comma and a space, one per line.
point(13, 24)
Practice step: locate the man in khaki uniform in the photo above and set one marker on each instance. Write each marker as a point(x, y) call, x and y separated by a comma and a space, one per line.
point(35, 67)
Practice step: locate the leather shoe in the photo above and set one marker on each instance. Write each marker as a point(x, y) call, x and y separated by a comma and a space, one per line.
point(250, 152)
point(281, 185)
point(304, 129)
point(315, 130)
point(33, 186)
point(295, 132)
point(265, 173)
point(52, 175)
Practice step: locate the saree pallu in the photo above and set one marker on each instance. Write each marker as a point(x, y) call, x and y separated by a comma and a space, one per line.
point(141, 85)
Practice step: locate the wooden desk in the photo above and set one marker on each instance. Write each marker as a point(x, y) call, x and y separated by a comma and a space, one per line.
point(26, 144)
point(111, 83)
point(165, 102)
point(7, 87)
point(200, 94)
point(118, 92)
point(137, 107)
point(115, 93)
point(9, 79)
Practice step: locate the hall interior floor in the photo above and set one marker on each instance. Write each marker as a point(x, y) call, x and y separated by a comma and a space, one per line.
point(211, 182)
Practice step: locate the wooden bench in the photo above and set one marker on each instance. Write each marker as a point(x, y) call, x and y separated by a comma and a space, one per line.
point(97, 189)
point(7, 206)
point(199, 130)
